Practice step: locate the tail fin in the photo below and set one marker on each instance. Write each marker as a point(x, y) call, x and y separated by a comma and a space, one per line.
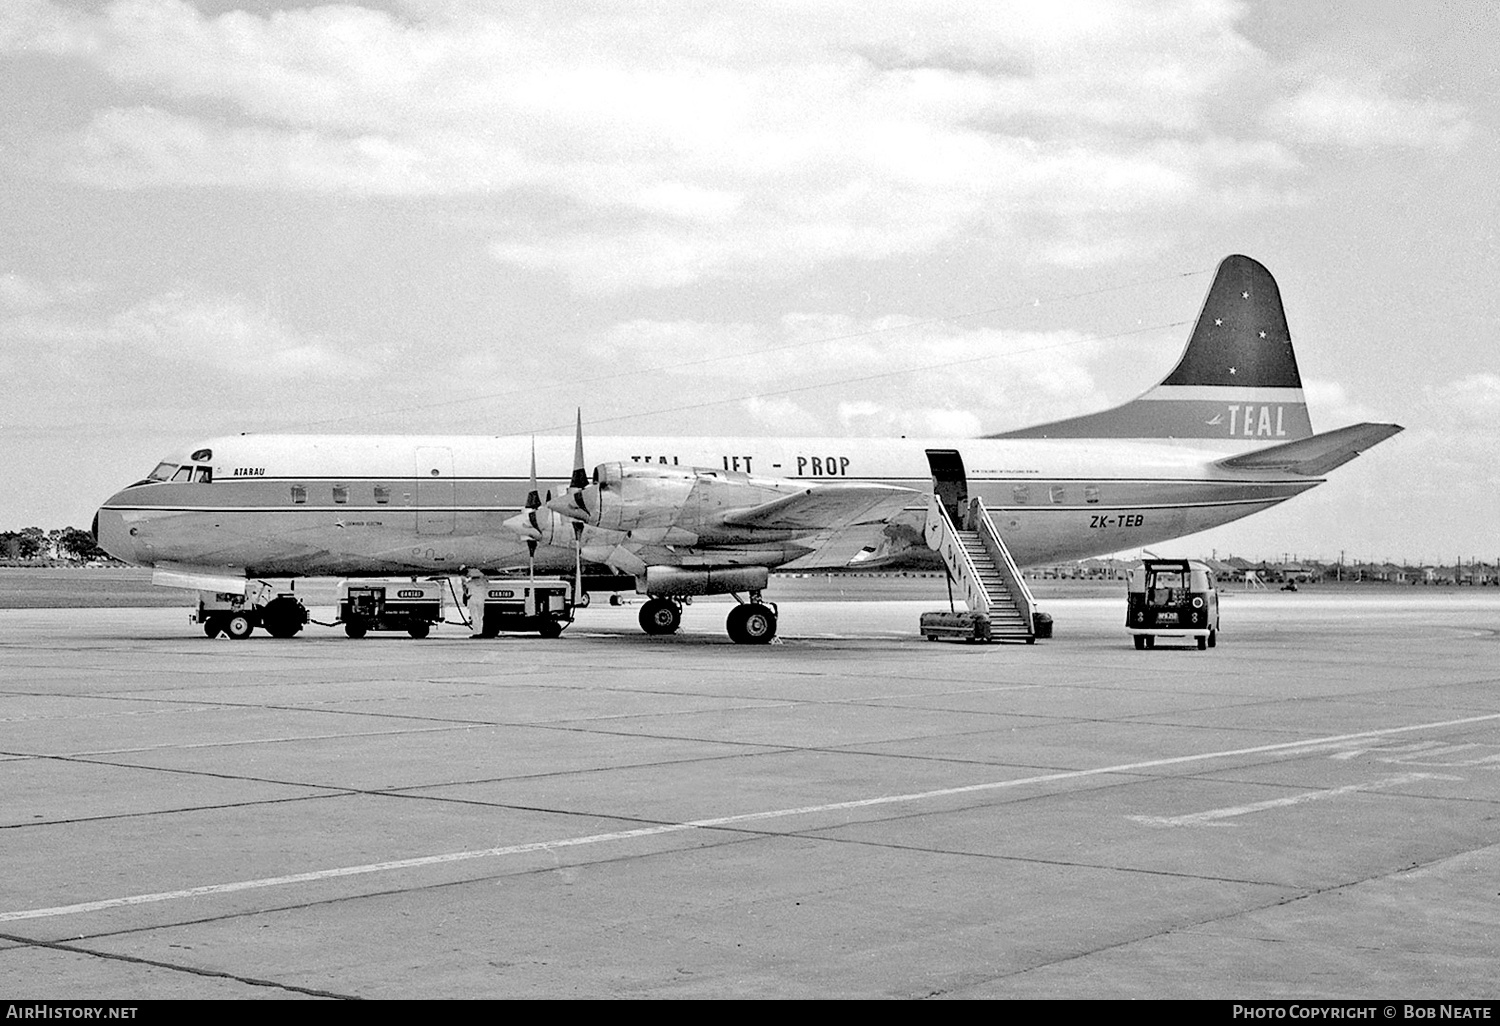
point(1237, 379)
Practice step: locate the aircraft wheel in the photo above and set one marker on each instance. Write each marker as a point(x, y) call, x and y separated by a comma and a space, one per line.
point(283, 617)
point(213, 625)
point(355, 628)
point(419, 629)
point(1213, 637)
point(661, 616)
point(239, 626)
point(751, 624)
point(1140, 643)
point(550, 629)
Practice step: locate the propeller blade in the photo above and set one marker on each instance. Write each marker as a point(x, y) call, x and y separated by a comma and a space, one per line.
point(533, 497)
point(580, 479)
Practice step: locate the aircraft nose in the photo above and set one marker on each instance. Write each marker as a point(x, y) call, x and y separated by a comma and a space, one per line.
point(111, 535)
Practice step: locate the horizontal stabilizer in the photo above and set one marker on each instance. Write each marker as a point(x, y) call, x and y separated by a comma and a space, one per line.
point(178, 575)
point(824, 507)
point(1317, 455)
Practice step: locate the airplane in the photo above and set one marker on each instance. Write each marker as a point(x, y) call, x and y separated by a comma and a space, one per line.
point(1225, 434)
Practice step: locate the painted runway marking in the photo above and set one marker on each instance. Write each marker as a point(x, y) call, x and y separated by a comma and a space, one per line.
point(718, 822)
point(1212, 816)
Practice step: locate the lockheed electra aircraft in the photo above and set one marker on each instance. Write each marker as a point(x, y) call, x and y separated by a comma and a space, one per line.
point(1224, 435)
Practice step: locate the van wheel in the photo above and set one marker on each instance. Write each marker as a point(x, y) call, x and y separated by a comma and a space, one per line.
point(355, 628)
point(550, 629)
point(1202, 643)
point(1213, 638)
point(1140, 643)
point(419, 629)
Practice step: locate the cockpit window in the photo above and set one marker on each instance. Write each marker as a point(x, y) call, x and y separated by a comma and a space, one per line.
point(205, 475)
point(163, 472)
point(183, 475)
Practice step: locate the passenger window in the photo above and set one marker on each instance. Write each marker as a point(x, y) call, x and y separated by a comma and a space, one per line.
point(340, 493)
point(299, 493)
point(382, 494)
point(1057, 493)
point(1091, 493)
point(1021, 494)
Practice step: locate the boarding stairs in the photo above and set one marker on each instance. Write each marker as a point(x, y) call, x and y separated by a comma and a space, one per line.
point(982, 569)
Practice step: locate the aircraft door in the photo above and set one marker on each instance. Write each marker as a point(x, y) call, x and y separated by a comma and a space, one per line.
point(950, 482)
point(435, 488)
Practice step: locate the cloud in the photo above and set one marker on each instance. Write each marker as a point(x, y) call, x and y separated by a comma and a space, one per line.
point(185, 332)
point(1359, 114)
point(755, 144)
point(1472, 401)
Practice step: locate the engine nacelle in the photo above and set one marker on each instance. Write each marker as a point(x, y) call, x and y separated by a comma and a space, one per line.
point(676, 581)
point(651, 497)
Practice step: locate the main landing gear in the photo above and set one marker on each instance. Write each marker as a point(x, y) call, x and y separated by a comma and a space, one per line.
point(752, 623)
point(749, 623)
point(661, 616)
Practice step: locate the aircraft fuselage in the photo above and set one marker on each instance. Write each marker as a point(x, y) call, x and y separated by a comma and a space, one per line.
point(306, 505)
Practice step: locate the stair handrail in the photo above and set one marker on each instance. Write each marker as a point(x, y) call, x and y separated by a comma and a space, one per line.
point(994, 544)
point(942, 537)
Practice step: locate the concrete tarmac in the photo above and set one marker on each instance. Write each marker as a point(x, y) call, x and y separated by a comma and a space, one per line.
point(1310, 810)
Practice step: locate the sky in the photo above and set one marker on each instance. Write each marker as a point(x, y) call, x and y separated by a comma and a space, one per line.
point(922, 217)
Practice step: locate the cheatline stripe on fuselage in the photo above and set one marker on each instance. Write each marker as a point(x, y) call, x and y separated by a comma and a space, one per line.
point(921, 482)
point(309, 508)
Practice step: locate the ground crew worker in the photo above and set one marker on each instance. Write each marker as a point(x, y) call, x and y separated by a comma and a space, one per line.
point(476, 590)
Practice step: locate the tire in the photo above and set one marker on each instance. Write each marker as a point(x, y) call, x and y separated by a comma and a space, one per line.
point(419, 629)
point(550, 629)
point(1202, 643)
point(660, 616)
point(751, 624)
point(213, 625)
point(355, 628)
point(1140, 643)
point(1150, 640)
point(1213, 637)
point(239, 626)
point(283, 617)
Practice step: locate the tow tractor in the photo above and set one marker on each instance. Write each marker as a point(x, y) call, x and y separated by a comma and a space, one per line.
point(541, 604)
point(398, 604)
point(237, 614)
point(1172, 598)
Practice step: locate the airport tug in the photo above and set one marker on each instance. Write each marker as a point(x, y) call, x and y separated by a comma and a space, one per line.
point(1172, 598)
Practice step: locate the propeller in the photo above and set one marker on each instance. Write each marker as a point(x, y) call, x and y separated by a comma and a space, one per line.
point(576, 509)
point(533, 503)
point(526, 523)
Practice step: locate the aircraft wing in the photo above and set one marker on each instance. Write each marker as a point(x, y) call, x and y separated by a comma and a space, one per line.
point(825, 507)
point(1316, 455)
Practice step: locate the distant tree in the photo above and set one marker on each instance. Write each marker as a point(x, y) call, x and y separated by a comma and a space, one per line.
point(31, 543)
point(79, 544)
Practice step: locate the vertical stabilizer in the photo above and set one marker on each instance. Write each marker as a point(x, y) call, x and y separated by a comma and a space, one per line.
point(1237, 379)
